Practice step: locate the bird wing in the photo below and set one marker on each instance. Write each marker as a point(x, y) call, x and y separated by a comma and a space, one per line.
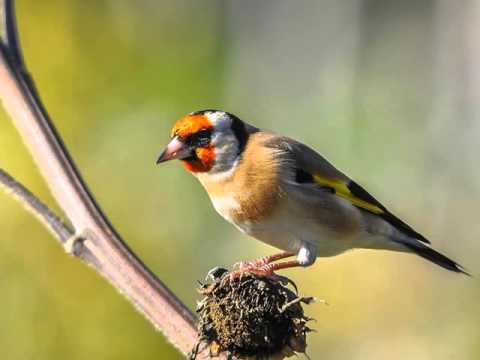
point(310, 167)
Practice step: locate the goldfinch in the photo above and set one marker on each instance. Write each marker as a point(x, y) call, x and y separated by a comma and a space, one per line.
point(285, 194)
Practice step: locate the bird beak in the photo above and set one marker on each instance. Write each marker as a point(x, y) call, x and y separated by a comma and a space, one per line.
point(176, 149)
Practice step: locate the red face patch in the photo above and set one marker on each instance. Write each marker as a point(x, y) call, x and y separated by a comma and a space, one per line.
point(206, 159)
point(190, 124)
point(187, 126)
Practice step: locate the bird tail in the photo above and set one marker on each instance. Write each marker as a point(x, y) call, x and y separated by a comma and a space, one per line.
point(434, 256)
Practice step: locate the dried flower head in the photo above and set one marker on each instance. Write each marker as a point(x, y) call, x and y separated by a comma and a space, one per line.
point(252, 317)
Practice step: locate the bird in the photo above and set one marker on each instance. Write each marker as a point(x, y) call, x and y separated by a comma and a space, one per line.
point(285, 194)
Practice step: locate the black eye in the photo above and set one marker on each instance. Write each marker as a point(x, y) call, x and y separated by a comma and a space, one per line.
point(200, 138)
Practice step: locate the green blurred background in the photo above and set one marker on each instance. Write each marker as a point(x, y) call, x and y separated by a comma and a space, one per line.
point(387, 90)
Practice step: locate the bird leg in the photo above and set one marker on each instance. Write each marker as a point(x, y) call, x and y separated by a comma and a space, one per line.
point(264, 260)
point(264, 266)
point(269, 269)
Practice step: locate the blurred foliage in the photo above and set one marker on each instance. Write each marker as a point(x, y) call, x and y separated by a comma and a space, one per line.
point(374, 85)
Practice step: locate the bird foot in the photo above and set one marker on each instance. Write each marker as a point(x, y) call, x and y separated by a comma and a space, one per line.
point(248, 265)
point(251, 268)
point(241, 265)
point(261, 262)
point(264, 270)
point(264, 266)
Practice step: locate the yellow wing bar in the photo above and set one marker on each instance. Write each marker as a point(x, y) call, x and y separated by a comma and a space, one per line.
point(342, 190)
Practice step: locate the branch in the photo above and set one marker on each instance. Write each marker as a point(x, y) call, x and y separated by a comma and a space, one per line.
point(72, 243)
point(38, 209)
point(95, 240)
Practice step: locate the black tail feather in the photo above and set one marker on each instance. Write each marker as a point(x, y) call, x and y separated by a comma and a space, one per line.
point(434, 256)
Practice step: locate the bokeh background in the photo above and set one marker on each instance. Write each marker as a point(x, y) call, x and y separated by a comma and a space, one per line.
point(388, 90)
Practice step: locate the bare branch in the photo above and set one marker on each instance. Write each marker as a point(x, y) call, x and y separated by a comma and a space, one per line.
point(36, 207)
point(100, 245)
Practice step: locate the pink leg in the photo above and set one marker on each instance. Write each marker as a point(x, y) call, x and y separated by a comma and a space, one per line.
point(269, 269)
point(265, 266)
point(264, 260)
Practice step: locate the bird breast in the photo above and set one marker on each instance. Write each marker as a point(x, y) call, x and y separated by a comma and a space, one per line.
point(250, 191)
point(249, 205)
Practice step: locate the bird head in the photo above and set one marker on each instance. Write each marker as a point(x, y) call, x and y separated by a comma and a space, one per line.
point(207, 141)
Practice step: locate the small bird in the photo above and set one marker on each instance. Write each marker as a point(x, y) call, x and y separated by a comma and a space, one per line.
point(285, 194)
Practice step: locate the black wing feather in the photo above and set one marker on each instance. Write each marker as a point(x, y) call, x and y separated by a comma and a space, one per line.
point(361, 193)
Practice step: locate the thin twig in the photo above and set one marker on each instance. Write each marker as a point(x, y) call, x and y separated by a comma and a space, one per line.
point(73, 244)
point(102, 247)
point(36, 207)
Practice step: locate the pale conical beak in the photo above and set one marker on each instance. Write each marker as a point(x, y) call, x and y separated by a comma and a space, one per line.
point(176, 149)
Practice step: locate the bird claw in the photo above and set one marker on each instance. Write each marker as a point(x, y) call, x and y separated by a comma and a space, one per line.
point(242, 265)
point(249, 265)
point(264, 270)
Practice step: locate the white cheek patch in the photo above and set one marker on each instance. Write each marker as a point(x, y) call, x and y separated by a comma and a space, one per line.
point(226, 150)
point(224, 142)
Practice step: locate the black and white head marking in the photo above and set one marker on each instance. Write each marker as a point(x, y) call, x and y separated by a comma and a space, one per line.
point(229, 137)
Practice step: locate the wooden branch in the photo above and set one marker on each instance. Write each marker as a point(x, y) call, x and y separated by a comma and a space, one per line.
point(95, 240)
point(36, 207)
point(72, 243)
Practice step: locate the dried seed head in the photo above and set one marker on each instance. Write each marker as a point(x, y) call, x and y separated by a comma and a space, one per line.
point(252, 317)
